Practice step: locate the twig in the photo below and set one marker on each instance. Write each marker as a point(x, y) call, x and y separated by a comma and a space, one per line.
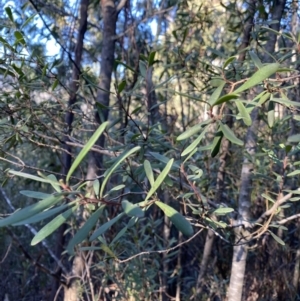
point(160, 251)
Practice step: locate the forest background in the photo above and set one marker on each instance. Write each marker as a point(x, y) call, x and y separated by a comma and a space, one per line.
point(149, 150)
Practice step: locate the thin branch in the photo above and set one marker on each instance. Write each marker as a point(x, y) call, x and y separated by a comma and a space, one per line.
point(160, 251)
point(283, 221)
point(120, 5)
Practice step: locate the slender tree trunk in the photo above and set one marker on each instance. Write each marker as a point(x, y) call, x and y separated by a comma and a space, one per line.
point(109, 16)
point(240, 251)
point(67, 158)
point(225, 147)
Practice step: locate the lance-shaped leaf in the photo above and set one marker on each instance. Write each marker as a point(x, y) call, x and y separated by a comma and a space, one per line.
point(277, 238)
point(193, 130)
point(83, 232)
point(86, 149)
point(216, 94)
point(244, 113)
point(119, 235)
point(29, 176)
point(294, 138)
point(19, 38)
point(42, 215)
point(149, 172)
point(54, 183)
point(216, 144)
point(35, 194)
point(293, 173)
point(159, 179)
point(176, 218)
point(121, 158)
point(132, 210)
point(96, 187)
point(31, 210)
point(52, 226)
point(106, 226)
point(223, 210)
point(228, 133)
point(259, 76)
point(256, 60)
point(225, 98)
point(107, 250)
point(228, 61)
point(194, 144)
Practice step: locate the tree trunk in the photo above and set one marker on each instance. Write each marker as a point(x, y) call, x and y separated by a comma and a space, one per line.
point(110, 16)
point(240, 251)
point(67, 157)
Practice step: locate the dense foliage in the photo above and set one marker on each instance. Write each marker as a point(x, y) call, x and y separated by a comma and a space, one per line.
point(151, 148)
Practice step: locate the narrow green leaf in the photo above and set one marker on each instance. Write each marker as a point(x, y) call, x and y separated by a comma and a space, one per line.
point(132, 210)
point(226, 98)
point(257, 62)
point(190, 155)
point(244, 113)
point(83, 232)
point(120, 159)
point(195, 143)
point(286, 102)
point(293, 173)
point(216, 144)
point(151, 58)
point(149, 172)
point(216, 94)
point(28, 20)
point(107, 250)
point(294, 138)
point(31, 210)
point(106, 226)
point(259, 76)
point(121, 86)
point(228, 61)
point(86, 149)
point(162, 158)
point(55, 84)
point(35, 194)
point(9, 13)
point(278, 239)
point(193, 130)
point(119, 235)
point(143, 68)
point(42, 215)
point(29, 176)
point(264, 97)
point(6, 44)
point(54, 183)
point(118, 187)
point(52, 226)
point(19, 38)
point(223, 210)
point(96, 187)
point(159, 179)
point(126, 66)
point(228, 133)
point(176, 218)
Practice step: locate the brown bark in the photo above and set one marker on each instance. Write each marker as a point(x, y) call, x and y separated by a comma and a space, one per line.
point(60, 239)
point(109, 15)
point(240, 251)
